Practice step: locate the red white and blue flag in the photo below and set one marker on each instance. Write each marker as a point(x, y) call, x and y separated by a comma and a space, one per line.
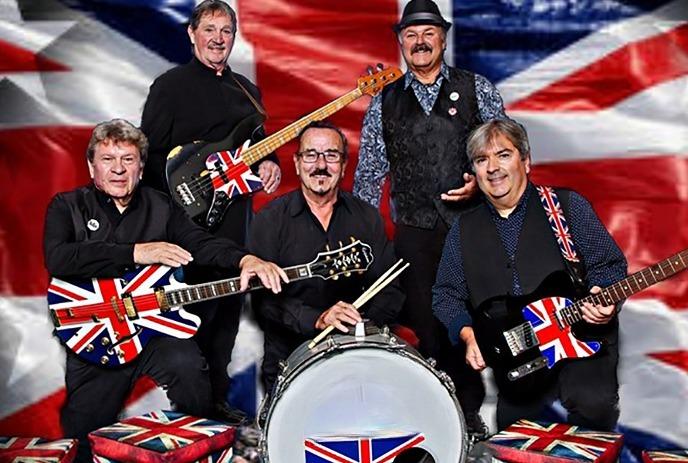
point(360, 449)
point(668, 456)
point(555, 343)
point(229, 174)
point(538, 441)
point(601, 86)
point(557, 220)
point(74, 303)
point(36, 450)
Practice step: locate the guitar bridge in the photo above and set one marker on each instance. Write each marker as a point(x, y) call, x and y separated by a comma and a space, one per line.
point(185, 194)
point(521, 338)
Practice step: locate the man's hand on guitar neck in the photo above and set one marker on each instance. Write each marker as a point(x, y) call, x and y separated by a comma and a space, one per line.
point(597, 314)
point(474, 358)
point(270, 174)
point(268, 273)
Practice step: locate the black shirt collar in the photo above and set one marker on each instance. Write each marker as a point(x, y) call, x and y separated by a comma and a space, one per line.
point(298, 203)
point(108, 204)
point(208, 71)
point(521, 202)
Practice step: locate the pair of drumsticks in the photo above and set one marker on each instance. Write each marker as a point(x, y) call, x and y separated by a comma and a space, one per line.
point(385, 279)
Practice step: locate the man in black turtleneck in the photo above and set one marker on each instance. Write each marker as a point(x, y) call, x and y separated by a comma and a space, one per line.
point(205, 100)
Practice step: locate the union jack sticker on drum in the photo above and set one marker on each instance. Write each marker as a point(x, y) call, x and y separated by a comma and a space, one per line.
point(36, 450)
point(359, 449)
point(527, 441)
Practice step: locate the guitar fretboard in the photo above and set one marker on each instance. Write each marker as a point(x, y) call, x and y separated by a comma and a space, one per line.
point(274, 141)
point(628, 286)
point(205, 291)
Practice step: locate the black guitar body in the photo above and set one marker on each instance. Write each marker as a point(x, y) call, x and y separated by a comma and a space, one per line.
point(500, 314)
point(187, 163)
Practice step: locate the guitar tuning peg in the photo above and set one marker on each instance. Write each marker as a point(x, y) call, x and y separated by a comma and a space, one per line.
point(336, 277)
point(380, 67)
point(327, 247)
point(353, 240)
point(347, 274)
point(369, 69)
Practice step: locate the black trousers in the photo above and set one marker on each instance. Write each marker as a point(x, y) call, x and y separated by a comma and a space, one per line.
point(587, 388)
point(423, 249)
point(220, 317)
point(95, 395)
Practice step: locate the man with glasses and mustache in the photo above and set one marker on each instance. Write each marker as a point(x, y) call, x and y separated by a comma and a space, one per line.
point(415, 132)
point(294, 228)
point(205, 100)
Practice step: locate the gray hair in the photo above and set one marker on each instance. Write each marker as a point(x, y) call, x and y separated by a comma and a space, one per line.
point(484, 134)
point(326, 124)
point(118, 131)
point(211, 7)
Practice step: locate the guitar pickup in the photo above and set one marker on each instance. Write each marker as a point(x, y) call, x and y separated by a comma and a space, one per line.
point(129, 306)
point(185, 194)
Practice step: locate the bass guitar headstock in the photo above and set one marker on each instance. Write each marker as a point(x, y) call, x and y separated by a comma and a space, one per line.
point(373, 83)
point(345, 260)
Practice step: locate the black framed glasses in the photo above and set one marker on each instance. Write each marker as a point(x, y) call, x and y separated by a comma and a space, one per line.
point(311, 156)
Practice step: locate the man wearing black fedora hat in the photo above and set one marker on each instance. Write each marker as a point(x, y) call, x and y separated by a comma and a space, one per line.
point(415, 131)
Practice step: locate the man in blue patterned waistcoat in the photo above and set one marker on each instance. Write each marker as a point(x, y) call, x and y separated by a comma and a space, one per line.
point(416, 131)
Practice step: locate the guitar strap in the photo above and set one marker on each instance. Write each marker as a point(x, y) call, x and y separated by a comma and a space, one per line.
point(560, 229)
point(258, 106)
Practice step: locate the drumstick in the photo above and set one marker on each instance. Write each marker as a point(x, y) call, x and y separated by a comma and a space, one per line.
point(376, 287)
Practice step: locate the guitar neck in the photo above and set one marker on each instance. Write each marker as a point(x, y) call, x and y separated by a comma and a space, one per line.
point(274, 141)
point(213, 290)
point(629, 286)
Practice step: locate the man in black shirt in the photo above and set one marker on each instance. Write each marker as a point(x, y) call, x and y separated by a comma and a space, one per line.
point(103, 230)
point(205, 100)
point(295, 227)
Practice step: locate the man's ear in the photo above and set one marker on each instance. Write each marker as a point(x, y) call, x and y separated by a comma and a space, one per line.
point(90, 169)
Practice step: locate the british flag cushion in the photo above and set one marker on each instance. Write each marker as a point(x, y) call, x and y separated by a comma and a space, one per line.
point(163, 437)
point(34, 449)
point(539, 442)
point(665, 456)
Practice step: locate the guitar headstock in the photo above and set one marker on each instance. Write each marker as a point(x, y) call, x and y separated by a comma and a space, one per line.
point(353, 258)
point(373, 83)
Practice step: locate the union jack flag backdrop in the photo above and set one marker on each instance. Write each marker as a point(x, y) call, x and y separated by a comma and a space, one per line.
point(529, 441)
point(601, 85)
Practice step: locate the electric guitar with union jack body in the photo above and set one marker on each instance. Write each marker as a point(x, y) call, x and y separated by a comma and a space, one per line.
point(204, 178)
point(108, 321)
point(519, 335)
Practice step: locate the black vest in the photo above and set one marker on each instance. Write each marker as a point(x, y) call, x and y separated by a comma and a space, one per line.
point(537, 256)
point(427, 153)
point(490, 272)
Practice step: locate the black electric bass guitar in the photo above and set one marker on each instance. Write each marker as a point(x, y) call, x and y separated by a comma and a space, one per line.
point(109, 321)
point(521, 335)
point(204, 177)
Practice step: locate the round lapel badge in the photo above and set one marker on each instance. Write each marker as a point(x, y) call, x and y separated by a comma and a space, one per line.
point(93, 225)
point(452, 111)
point(454, 96)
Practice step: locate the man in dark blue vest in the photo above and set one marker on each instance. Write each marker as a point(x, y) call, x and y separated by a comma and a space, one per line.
point(505, 246)
point(415, 131)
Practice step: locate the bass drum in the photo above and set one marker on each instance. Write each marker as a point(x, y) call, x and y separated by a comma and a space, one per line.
point(361, 387)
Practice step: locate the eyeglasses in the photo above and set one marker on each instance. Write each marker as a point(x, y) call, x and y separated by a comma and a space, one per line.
point(311, 156)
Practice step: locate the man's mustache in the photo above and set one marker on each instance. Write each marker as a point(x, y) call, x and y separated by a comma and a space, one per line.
point(323, 172)
point(421, 47)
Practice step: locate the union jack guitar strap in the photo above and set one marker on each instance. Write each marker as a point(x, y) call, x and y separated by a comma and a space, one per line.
point(560, 228)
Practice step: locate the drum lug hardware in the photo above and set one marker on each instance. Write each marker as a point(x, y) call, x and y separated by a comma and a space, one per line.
point(447, 381)
point(283, 365)
point(385, 331)
point(432, 362)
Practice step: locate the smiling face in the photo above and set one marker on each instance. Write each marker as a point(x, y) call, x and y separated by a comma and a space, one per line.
point(320, 178)
point(116, 170)
point(501, 173)
point(423, 47)
point(213, 39)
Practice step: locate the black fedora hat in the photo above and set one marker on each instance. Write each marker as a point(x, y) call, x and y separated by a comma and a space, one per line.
point(421, 12)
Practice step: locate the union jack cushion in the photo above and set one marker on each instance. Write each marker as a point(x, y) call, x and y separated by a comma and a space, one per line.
point(539, 442)
point(222, 456)
point(665, 456)
point(36, 450)
point(163, 437)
